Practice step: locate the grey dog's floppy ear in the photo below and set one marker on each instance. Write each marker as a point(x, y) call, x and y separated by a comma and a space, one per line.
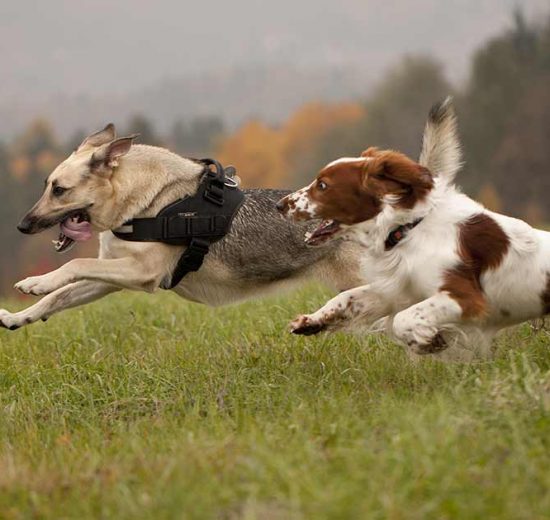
point(106, 157)
point(100, 138)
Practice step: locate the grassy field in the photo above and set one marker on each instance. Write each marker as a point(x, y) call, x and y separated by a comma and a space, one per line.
point(149, 407)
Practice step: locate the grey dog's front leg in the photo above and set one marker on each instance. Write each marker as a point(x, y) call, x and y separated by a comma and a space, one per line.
point(71, 295)
point(127, 273)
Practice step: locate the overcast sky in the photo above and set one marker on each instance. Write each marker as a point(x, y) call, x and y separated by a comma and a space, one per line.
point(99, 46)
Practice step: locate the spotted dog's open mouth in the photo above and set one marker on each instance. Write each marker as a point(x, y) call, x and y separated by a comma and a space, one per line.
point(75, 227)
point(323, 232)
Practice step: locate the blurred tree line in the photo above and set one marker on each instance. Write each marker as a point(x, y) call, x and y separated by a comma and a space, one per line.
point(504, 118)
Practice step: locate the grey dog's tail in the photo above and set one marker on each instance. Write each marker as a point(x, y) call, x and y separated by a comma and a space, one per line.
point(441, 150)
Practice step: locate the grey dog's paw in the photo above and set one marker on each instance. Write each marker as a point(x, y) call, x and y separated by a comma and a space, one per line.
point(8, 320)
point(36, 285)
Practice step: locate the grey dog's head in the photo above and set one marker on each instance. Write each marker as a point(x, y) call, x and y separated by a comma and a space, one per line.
point(77, 191)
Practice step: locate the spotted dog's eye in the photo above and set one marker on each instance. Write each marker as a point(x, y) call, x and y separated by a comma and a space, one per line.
point(322, 185)
point(58, 191)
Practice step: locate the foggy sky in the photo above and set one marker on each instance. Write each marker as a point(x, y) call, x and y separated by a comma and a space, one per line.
point(93, 47)
point(80, 62)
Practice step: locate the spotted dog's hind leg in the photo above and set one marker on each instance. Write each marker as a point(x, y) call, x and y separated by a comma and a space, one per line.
point(359, 305)
point(419, 326)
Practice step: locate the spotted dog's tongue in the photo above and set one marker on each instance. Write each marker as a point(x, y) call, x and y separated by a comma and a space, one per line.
point(76, 230)
point(322, 233)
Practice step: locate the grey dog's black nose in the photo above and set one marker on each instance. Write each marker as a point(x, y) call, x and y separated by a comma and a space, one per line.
point(24, 226)
point(280, 205)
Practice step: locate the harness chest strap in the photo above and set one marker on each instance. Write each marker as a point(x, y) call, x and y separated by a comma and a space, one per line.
point(196, 222)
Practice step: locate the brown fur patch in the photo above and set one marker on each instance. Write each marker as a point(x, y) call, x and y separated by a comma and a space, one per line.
point(462, 284)
point(355, 189)
point(405, 177)
point(482, 246)
point(345, 198)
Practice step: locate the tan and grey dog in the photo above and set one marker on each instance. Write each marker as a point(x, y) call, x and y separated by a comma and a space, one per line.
point(108, 181)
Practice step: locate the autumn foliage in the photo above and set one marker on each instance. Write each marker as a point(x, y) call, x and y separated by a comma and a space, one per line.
point(269, 156)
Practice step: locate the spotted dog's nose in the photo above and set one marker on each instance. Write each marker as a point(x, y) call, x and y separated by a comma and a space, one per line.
point(281, 205)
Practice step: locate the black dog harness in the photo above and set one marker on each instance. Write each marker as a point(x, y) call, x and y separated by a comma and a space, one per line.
point(196, 221)
point(399, 233)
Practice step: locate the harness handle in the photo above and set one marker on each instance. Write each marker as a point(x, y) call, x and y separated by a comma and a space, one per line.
point(215, 181)
point(195, 221)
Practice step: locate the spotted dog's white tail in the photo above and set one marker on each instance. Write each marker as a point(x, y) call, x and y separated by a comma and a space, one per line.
point(441, 150)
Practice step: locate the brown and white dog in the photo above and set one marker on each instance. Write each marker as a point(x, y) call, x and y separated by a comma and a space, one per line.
point(443, 270)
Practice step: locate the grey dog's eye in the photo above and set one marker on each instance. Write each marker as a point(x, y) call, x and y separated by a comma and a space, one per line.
point(322, 185)
point(58, 191)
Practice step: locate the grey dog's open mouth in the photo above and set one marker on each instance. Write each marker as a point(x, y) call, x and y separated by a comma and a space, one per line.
point(74, 227)
point(323, 232)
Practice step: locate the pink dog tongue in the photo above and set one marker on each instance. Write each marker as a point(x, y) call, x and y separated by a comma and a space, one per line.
point(78, 231)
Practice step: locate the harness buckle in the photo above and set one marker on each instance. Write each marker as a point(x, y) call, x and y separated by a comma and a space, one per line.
point(214, 194)
point(195, 253)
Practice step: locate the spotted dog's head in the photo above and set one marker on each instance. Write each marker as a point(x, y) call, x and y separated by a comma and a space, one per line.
point(77, 193)
point(350, 191)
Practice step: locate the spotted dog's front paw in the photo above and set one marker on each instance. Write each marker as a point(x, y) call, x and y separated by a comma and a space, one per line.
point(37, 285)
point(306, 326)
point(420, 338)
point(11, 321)
point(433, 346)
point(416, 333)
point(437, 344)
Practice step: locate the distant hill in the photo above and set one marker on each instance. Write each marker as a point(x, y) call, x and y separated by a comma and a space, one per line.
point(267, 92)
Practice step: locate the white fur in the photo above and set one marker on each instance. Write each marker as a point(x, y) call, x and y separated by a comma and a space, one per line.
point(405, 283)
point(345, 160)
point(300, 205)
point(441, 152)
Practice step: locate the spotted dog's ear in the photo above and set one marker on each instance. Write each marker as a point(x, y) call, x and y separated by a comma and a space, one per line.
point(400, 176)
point(106, 157)
point(399, 168)
point(370, 152)
point(100, 138)
point(409, 173)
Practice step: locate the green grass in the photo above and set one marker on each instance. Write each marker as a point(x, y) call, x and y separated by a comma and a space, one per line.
point(150, 407)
